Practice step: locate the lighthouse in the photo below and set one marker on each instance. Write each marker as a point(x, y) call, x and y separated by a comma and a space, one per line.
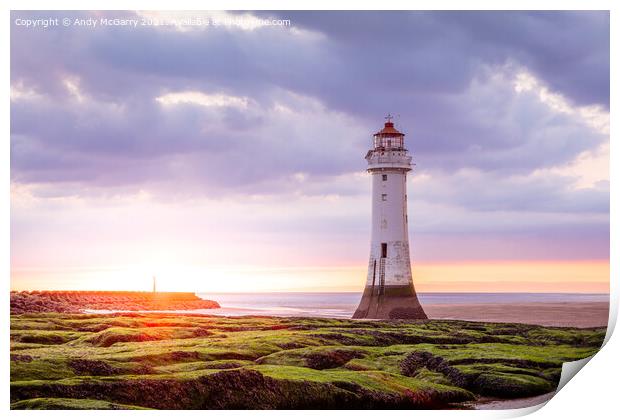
point(389, 291)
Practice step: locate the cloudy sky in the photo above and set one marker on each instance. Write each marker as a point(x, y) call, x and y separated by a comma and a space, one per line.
point(230, 157)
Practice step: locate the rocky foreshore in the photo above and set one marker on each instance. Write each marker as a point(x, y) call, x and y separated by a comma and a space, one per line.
point(77, 301)
point(191, 361)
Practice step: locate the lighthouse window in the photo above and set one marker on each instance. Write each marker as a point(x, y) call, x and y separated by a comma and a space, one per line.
point(384, 177)
point(383, 197)
point(383, 250)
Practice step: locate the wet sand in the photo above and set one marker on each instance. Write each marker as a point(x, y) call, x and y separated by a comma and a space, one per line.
point(569, 314)
point(510, 404)
point(556, 314)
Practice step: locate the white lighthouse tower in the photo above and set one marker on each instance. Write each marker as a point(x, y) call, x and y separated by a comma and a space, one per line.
point(389, 291)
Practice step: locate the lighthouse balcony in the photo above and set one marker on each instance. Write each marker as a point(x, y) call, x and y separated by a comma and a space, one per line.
point(388, 159)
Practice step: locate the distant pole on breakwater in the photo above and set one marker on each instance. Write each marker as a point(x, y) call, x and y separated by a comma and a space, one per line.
point(154, 284)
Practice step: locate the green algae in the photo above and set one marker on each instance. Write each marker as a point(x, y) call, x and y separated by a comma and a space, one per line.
point(112, 361)
point(70, 404)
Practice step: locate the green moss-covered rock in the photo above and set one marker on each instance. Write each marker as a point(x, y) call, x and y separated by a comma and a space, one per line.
point(171, 361)
point(69, 404)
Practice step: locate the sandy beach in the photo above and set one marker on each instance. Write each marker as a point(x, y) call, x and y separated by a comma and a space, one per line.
point(491, 404)
point(558, 310)
point(567, 314)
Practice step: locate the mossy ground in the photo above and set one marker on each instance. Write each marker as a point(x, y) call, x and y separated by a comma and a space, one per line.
point(171, 361)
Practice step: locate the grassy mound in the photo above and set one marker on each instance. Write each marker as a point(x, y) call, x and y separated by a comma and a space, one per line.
point(69, 404)
point(196, 362)
point(249, 389)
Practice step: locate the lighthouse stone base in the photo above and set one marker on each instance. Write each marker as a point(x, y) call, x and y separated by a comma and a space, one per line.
point(389, 302)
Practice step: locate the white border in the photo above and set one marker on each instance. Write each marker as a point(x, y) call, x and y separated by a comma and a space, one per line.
point(592, 395)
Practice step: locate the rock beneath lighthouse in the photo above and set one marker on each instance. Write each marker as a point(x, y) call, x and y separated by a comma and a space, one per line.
point(391, 305)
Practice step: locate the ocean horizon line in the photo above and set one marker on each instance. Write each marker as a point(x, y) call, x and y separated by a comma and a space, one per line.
point(419, 293)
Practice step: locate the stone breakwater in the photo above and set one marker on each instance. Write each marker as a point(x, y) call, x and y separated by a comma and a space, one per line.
point(77, 301)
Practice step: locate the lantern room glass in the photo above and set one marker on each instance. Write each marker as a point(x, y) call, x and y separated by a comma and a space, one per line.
point(389, 142)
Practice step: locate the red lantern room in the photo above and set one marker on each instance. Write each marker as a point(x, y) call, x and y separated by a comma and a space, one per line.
point(389, 137)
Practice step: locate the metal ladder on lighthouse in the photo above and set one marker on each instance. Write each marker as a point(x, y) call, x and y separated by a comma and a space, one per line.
point(381, 276)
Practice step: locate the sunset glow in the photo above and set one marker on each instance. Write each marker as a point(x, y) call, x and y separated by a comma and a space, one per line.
point(224, 161)
point(486, 277)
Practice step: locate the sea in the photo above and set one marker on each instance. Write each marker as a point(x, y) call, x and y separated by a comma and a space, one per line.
point(342, 305)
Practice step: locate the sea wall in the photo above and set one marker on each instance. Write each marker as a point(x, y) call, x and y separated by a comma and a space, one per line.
point(69, 301)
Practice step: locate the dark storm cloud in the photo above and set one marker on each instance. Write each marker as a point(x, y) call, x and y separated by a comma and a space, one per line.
point(437, 70)
point(441, 50)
